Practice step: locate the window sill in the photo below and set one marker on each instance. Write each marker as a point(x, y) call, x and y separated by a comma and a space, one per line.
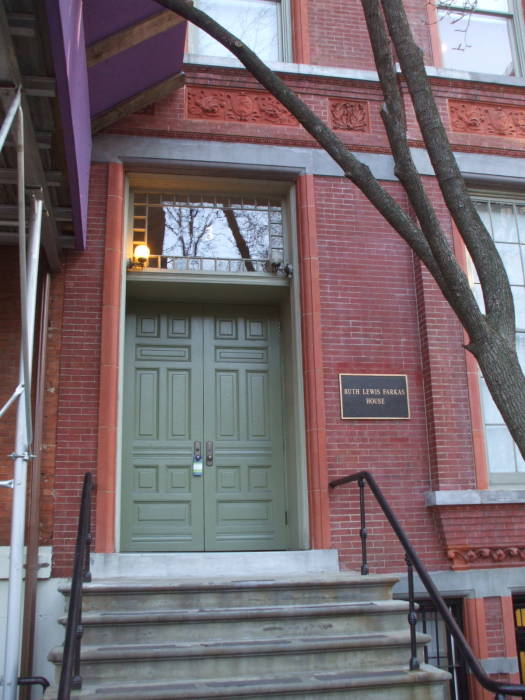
point(474, 497)
point(355, 74)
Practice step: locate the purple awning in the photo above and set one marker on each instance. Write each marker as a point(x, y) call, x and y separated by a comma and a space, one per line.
point(85, 92)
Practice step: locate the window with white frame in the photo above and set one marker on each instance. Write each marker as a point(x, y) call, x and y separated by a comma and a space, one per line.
point(505, 221)
point(482, 36)
point(261, 24)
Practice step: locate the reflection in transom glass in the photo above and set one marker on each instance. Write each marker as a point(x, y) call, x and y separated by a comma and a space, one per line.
point(209, 232)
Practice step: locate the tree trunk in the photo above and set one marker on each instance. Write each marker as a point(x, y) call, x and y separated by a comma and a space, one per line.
point(498, 361)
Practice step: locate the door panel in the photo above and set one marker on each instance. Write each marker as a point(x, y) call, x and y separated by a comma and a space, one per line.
point(162, 507)
point(202, 374)
point(244, 502)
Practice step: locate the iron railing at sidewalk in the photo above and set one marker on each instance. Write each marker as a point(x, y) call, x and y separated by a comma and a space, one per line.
point(70, 674)
point(501, 690)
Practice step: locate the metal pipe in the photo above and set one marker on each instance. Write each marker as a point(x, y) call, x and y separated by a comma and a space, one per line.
point(16, 393)
point(9, 117)
point(21, 454)
point(33, 501)
point(22, 257)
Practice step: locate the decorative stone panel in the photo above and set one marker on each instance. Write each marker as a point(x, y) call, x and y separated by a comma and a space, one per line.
point(486, 557)
point(487, 118)
point(256, 107)
point(350, 115)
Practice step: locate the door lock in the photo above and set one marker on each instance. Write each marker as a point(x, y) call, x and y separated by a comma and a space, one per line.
point(209, 453)
point(197, 459)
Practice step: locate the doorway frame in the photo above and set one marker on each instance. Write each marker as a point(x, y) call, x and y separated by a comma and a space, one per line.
point(303, 313)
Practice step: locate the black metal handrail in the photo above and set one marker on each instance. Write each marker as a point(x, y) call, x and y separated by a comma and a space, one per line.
point(70, 674)
point(413, 561)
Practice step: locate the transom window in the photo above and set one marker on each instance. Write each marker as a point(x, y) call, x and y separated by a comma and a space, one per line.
point(505, 221)
point(209, 232)
point(479, 36)
point(259, 23)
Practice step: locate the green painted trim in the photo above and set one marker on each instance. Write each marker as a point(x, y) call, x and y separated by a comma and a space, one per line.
point(247, 279)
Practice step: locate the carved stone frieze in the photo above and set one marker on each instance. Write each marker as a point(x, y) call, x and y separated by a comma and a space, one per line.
point(350, 115)
point(487, 118)
point(483, 557)
point(255, 107)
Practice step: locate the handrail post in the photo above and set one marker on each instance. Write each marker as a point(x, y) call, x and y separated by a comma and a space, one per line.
point(363, 532)
point(412, 616)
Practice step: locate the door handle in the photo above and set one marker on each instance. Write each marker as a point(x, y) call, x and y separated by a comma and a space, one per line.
point(197, 459)
point(197, 450)
point(209, 453)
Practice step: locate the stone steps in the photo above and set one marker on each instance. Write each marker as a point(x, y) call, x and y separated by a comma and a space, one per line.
point(394, 684)
point(300, 636)
point(125, 627)
point(160, 594)
point(226, 659)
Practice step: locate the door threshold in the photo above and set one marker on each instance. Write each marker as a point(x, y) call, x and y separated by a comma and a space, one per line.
point(176, 565)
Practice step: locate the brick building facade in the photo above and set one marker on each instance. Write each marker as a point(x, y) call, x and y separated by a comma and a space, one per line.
point(357, 302)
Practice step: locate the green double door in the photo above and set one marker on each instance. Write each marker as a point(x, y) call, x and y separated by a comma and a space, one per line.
point(203, 437)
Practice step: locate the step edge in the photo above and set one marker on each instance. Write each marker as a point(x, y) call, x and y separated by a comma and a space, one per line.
point(168, 615)
point(426, 675)
point(106, 653)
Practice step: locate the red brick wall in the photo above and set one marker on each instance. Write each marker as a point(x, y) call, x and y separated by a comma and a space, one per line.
point(9, 369)
point(370, 326)
point(77, 429)
point(493, 616)
point(338, 35)
point(9, 352)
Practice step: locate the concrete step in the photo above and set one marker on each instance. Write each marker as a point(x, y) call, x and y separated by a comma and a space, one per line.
point(210, 565)
point(388, 684)
point(160, 594)
point(227, 659)
point(245, 623)
point(312, 635)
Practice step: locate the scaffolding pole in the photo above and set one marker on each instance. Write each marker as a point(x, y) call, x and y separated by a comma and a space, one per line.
point(28, 263)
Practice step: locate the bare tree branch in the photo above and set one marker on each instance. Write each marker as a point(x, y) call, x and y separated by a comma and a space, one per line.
point(356, 171)
point(491, 336)
point(496, 289)
point(459, 293)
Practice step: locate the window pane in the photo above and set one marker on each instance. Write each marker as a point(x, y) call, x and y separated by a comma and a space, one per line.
point(489, 5)
point(520, 214)
point(479, 296)
point(465, 38)
point(520, 349)
point(504, 223)
point(212, 232)
point(484, 214)
point(520, 462)
point(491, 413)
point(256, 22)
point(500, 448)
point(519, 306)
point(510, 254)
point(493, 5)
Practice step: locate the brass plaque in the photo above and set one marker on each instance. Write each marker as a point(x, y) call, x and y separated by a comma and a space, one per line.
point(374, 397)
